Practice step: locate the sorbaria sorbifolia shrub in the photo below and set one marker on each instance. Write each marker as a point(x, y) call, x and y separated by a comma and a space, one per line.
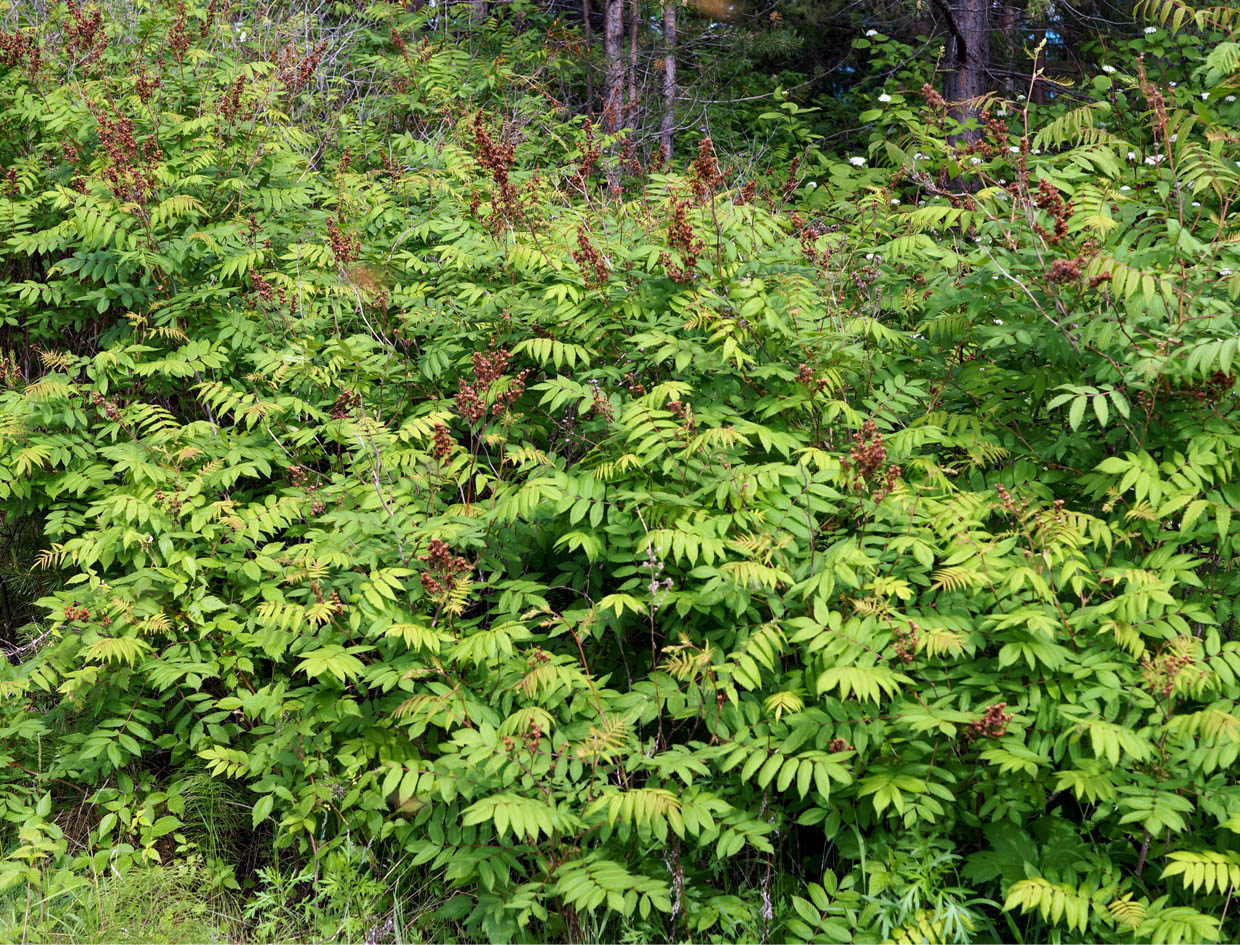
point(845, 552)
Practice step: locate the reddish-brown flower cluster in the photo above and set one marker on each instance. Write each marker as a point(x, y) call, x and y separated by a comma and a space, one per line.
point(1050, 200)
point(589, 156)
point(1010, 505)
point(747, 192)
point(684, 412)
point(178, 35)
point(837, 745)
point(105, 406)
point(806, 376)
point(1065, 270)
point(992, 724)
point(441, 442)
point(169, 503)
point(298, 476)
point(704, 174)
point(70, 152)
point(230, 104)
point(808, 233)
point(934, 101)
point(345, 246)
point(130, 168)
point(77, 613)
point(906, 643)
point(296, 74)
point(10, 182)
point(443, 568)
point(144, 85)
point(345, 403)
point(498, 159)
point(591, 261)
point(84, 37)
point(18, 48)
point(680, 237)
point(264, 289)
point(792, 181)
point(865, 460)
point(488, 368)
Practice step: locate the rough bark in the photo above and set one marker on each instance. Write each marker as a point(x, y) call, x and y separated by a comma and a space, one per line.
point(668, 126)
point(613, 41)
point(634, 22)
point(968, 58)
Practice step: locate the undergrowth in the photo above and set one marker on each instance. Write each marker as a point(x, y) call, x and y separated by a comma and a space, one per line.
point(452, 524)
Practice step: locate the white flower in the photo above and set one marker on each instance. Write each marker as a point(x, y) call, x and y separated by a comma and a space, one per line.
point(1014, 149)
point(241, 36)
point(1037, 150)
point(871, 32)
point(895, 201)
point(919, 156)
point(1173, 137)
point(1125, 187)
point(1170, 85)
point(884, 97)
point(1002, 181)
point(975, 161)
point(1196, 203)
point(812, 184)
point(1230, 98)
point(1151, 30)
point(856, 161)
point(1205, 96)
point(1109, 70)
point(998, 321)
point(1132, 155)
point(869, 256)
point(1224, 272)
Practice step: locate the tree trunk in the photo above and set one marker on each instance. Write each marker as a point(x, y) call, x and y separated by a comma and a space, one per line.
point(634, 19)
point(968, 58)
point(1009, 17)
point(669, 78)
point(613, 41)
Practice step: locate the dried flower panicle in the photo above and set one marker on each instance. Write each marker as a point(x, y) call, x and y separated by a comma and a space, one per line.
point(489, 367)
point(443, 568)
point(865, 463)
point(441, 441)
point(992, 724)
point(591, 261)
point(680, 237)
point(704, 174)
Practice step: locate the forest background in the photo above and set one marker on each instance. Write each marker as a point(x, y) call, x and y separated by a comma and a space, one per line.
point(619, 471)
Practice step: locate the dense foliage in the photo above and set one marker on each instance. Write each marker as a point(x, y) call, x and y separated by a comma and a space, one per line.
point(526, 541)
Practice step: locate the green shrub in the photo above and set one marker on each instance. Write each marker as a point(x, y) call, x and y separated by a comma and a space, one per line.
point(845, 556)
